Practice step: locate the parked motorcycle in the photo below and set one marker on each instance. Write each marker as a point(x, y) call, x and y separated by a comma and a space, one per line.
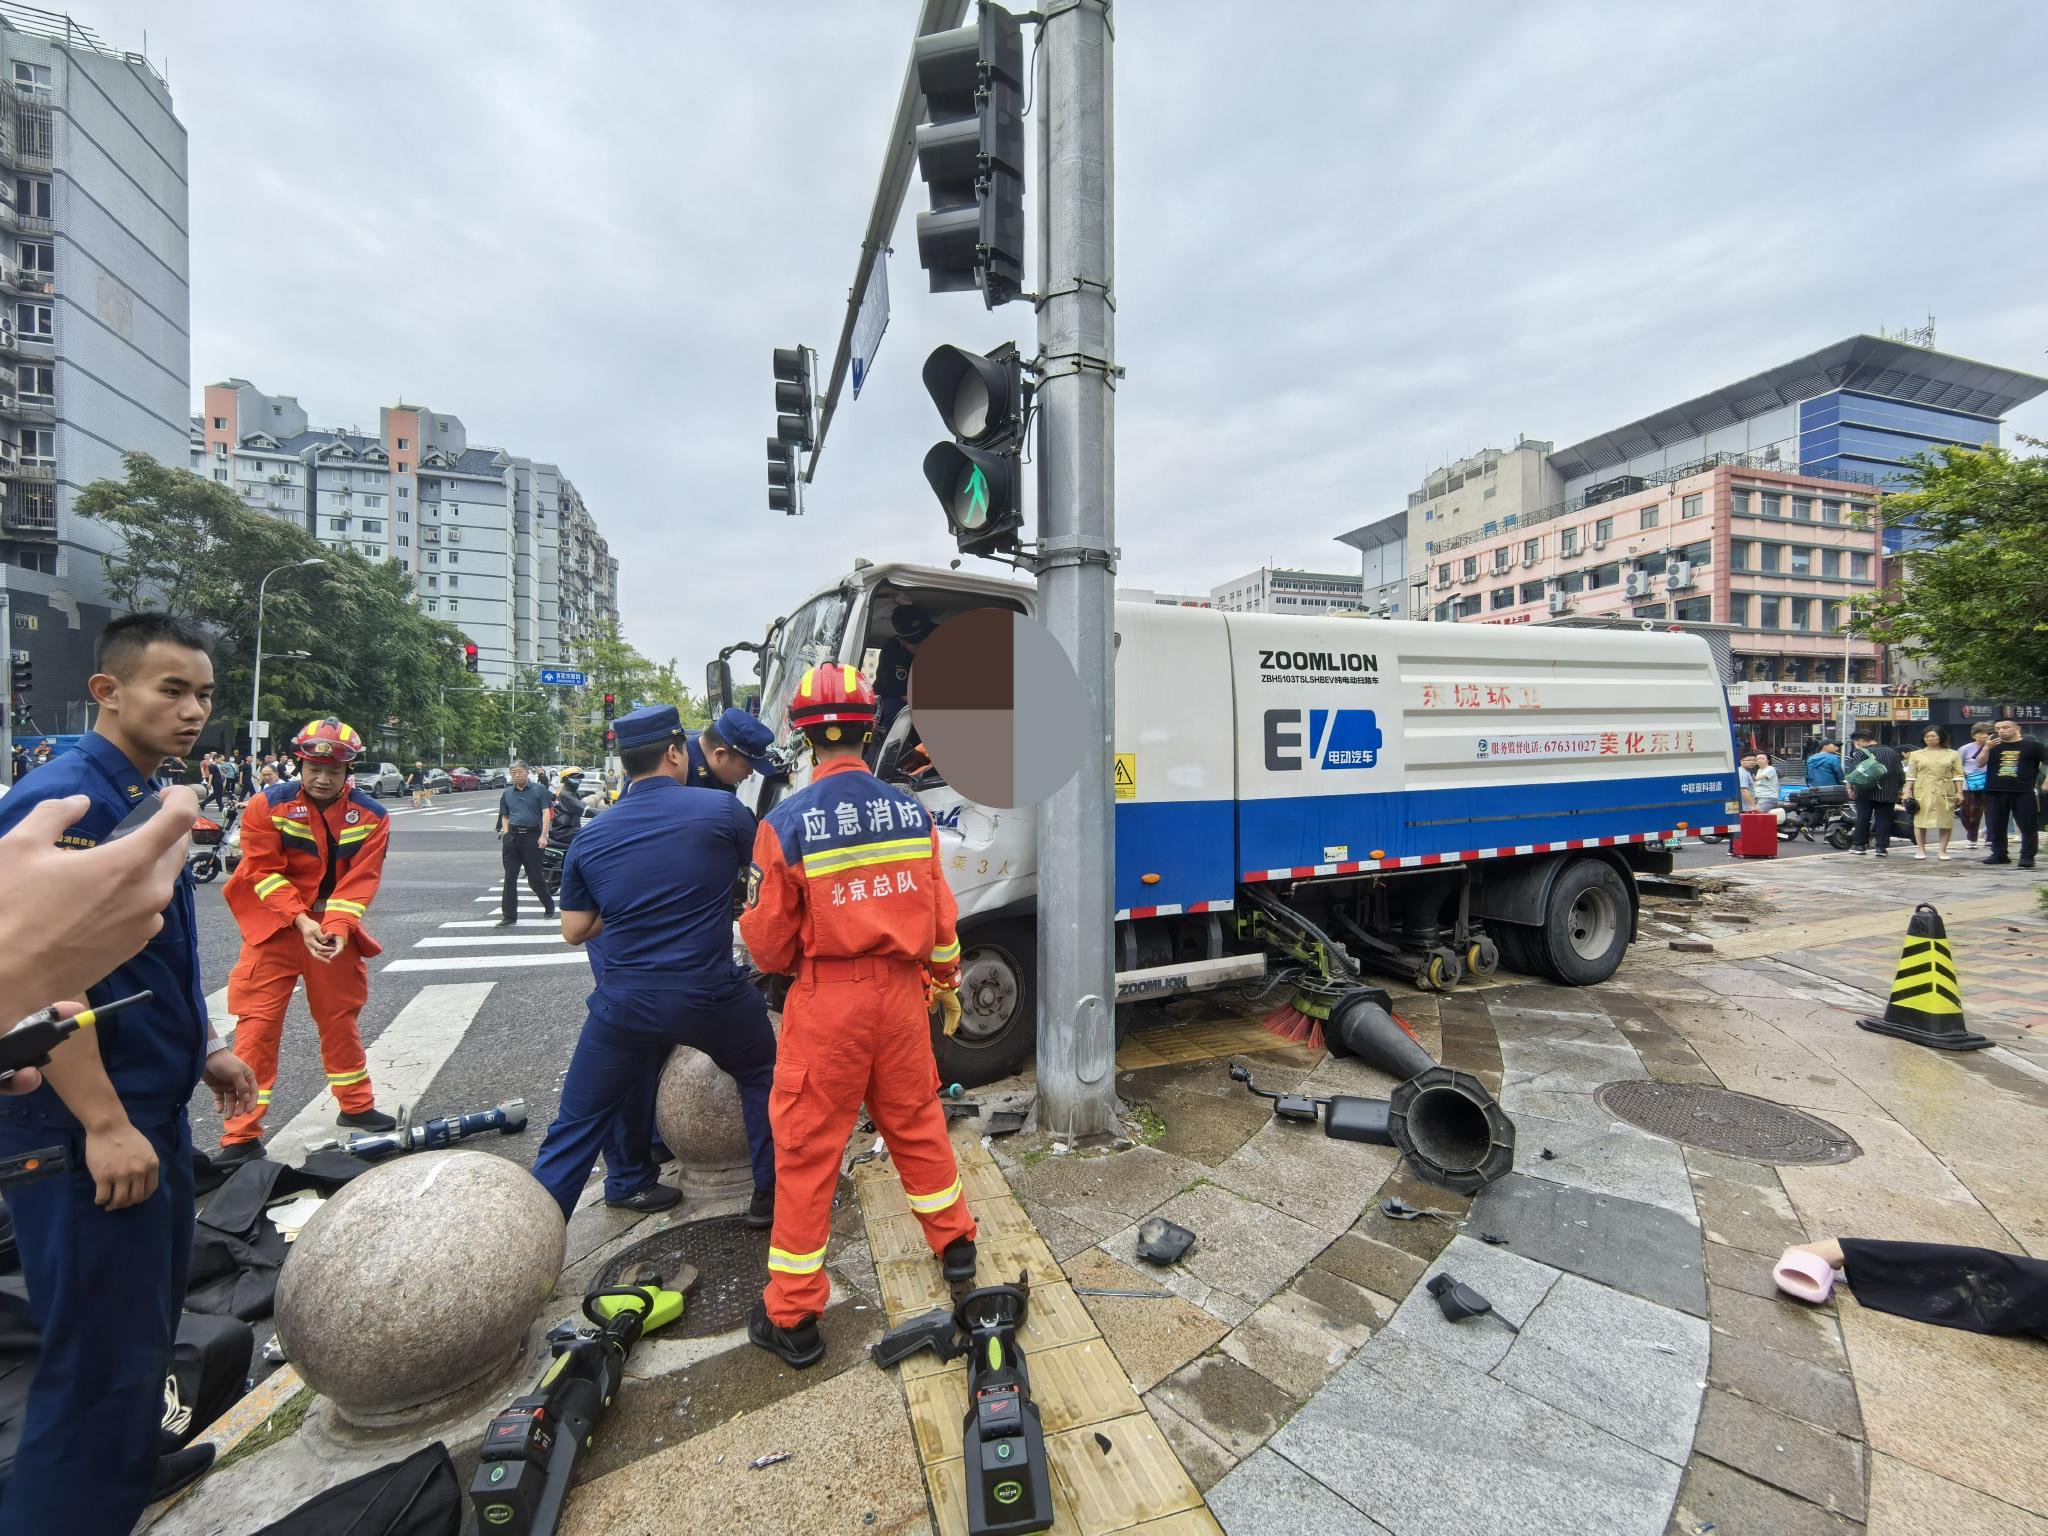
point(207, 854)
point(1817, 814)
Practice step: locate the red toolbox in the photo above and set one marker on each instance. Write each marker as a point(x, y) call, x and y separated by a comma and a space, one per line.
point(1758, 837)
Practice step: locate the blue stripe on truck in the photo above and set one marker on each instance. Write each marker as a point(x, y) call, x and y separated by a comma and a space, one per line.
point(1189, 845)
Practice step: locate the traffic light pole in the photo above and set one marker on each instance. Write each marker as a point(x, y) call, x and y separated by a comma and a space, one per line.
point(1076, 410)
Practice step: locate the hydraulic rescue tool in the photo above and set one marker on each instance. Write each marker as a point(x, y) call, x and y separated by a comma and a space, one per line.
point(508, 1119)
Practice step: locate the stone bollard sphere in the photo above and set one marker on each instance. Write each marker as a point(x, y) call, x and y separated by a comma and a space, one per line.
point(420, 1277)
point(697, 1111)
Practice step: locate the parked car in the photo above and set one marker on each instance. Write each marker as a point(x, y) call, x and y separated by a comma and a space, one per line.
point(439, 782)
point(462, 778)
point(383, 780)
point(494, 778)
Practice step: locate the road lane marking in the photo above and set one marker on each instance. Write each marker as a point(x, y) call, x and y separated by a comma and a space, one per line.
point(488, 938)
point(403, 1062)
point(483, 962)
point(492, 922)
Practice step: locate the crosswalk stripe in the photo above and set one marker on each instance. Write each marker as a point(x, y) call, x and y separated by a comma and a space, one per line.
point(492, 922)
point(403, 1062)
point(491, 938)
point(484, 962)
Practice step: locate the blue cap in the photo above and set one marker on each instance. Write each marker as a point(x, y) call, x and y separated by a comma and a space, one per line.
point(647, 727)
point(746, 735)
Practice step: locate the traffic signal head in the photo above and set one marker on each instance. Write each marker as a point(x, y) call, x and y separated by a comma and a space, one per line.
point(977, 477)
point(24, 678)
point(781, 476)
point(611, 702)
point(469, 655)
point(971, 155)
point(794, 397)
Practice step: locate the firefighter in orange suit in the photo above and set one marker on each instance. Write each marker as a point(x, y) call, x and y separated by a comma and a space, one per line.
point(847, 893)
point(312, 854)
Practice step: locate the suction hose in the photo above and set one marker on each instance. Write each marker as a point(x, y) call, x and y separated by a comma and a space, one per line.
point(1443, 1121)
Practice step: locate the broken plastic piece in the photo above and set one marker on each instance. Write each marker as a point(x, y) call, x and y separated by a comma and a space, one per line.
point(1103, 1440)
point(1459, 1301)
point(768, 1461)
point(935, 1331)
point(1163, 1242)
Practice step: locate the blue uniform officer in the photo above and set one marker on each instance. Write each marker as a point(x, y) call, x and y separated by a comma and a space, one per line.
point(105, 1246)
point(730, 750)
point(656, 876)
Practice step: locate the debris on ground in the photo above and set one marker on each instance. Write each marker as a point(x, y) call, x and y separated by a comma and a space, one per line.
point(771, 1460)
point(1163, 1242)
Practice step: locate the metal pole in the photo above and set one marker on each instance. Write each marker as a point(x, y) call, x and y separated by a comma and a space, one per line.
point(6, 688)
point(256, 682)
point(1076, 579)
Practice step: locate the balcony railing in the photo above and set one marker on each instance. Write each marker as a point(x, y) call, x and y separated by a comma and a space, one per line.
point(33, 471)
point(30, 521)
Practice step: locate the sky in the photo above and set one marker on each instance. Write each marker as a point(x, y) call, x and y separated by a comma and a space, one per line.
point(1353, 241)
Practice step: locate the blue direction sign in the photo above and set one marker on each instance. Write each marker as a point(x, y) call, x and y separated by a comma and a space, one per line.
point(561, 677)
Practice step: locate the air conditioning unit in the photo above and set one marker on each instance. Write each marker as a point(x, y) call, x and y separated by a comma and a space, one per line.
point(1528, 561)
point(1636, 584)
point(1599, 543)
point(280, 479)
point(1560, 602)
point(1679, 577)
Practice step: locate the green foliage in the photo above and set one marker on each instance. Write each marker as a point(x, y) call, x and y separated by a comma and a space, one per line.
point(615, 667)
point(1974, 603)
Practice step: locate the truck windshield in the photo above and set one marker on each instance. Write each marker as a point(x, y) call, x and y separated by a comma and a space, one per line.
point(810, 635)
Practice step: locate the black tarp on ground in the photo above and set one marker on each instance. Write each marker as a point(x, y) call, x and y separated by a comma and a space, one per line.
point(1976, 1289)
point(418, 1496)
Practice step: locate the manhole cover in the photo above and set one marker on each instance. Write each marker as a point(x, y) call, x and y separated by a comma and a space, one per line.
point(732, 1266)
point(1717, 1120)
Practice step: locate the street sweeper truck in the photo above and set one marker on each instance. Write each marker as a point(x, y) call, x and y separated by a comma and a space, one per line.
point(1300, 801)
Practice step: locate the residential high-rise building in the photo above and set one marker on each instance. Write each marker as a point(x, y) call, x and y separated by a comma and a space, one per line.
point(95, 356)
point(480, 530)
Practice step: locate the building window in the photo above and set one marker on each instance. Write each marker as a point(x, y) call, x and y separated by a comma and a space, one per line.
point(1831, 616)
point(1501, 597)
point(1468, 607)
point(1608, 575)
point(1774, 504)
point(1700, 554)
point(32, 78)
point(375, 552)
point(373, 525)
point(220, 423)
point(404, 443)
point(31, 197)
point(1802, 509)
point(1831, 563)
point(38, 447)
point(454, 580)
point(1773, 557)
point(1532, 548)
point(32, 320)
point(1443, 577)
point(405, 493)
point(1739, 553)
point(337, 525)
point(1647, 611)
point(1802, 562)
point(401, 466)
point(1603, 530)
point(1694, 610)
point(1739, 501)
point(404, 542)
point(1501, 557)
point(1532, 591)
point(1859, 567)
point(220, 474)
point(433, 605)
point(1650, 516)
point(454, 556)
point(1470, 568)
point(433, 557)
point(434, 581)
point(373, 501)
point(44, 560)
point(1568, 542)
point(454, 605)
point(1738, 609)
point(1770, 607)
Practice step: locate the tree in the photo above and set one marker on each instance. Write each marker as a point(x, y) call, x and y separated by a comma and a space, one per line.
point(166, 518)
point(1973, 602)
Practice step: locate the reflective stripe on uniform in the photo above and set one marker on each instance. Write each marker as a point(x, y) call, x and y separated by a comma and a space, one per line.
point(946, 952)
point(268, 884)
point(344, 1079)
point(926, 1204)
point(336, 904)
point(354, 834)
point(262, 1095)
point(796, 1263)
point(291, 828)
point(894, 851)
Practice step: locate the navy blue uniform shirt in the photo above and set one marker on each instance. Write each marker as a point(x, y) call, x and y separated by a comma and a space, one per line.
point(660, 868)
point(154, 1052)
point(522, 808)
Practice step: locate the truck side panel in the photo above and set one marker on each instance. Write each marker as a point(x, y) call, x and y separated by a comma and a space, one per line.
point(1387, 745)
point(1176, 788)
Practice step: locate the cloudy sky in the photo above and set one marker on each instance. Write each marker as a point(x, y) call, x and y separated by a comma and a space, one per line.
point(1350, 244)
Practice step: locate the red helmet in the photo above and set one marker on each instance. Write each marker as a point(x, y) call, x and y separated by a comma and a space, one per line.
point(327, 741)
point(832, 694)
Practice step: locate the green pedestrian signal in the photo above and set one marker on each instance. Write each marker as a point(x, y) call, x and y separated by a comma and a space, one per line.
point(977, 477)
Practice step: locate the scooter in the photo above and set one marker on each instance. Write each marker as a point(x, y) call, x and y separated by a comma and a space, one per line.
point(206, 856)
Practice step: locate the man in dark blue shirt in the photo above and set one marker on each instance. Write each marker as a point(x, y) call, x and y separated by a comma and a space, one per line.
point(656, 876)
point(525, 813)
point(729, 751)
point(105, 1245)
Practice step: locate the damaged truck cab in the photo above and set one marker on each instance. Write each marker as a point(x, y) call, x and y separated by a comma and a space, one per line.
point(1325, 796)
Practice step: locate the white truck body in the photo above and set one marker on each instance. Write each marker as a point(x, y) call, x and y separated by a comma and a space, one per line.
point(1260, 752)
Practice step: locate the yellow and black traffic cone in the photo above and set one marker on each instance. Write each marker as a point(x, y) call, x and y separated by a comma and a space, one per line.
point(1926, 1005)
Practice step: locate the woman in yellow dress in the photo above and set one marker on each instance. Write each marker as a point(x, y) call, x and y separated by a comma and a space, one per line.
point(1934, 778)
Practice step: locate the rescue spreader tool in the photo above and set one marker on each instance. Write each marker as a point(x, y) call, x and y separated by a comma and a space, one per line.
point(529, 1451)
point(508, 1119)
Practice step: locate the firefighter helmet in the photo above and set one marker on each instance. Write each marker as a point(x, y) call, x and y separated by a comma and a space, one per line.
point(327, 741)
point(832, 694)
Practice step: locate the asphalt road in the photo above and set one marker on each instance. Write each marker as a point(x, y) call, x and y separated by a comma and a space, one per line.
point(461, 1014)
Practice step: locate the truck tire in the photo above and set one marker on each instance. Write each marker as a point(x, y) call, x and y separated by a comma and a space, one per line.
point(1517, 946)
point(1585, 927)
point(998, 1004)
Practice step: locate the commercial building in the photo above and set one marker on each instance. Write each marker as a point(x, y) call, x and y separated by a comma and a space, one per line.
point(486, 535)
point(1163, 599)
point(1273, 590)
point(95, 355)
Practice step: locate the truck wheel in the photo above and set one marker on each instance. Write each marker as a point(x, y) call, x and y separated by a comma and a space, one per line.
point(998, 1005)
point(1517, 946)
point(1482, 957)
point(1585, 929)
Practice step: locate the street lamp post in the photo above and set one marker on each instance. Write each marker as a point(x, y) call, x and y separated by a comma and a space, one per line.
point(256, 683)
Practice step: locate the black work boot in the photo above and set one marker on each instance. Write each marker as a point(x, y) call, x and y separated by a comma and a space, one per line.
point(802, 1346)
point(371, 1119)
point(956, 1264)
point(761, 1210)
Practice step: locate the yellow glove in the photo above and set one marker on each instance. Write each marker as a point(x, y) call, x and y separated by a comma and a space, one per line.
point(949, 1010)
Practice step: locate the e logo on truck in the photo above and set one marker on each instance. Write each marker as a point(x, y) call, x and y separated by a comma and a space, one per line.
point(1337, 738)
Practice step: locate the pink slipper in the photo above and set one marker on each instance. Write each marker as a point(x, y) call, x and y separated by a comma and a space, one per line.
point(1804, 1276)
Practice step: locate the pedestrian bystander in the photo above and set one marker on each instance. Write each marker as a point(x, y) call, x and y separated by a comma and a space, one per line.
point(1876, 776)
point(1972, 808)
point(1934, 791)
point(2012, 776)
point(525, 812)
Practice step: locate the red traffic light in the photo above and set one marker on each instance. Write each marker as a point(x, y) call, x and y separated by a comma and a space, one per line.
point(469, 649)
point(610, 700)
point(610, 737)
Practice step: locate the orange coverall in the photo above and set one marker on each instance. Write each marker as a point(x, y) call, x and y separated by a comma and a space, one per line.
point(847, 893)
point(300, 858)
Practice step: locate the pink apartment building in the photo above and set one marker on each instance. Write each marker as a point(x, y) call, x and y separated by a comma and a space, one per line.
point(1778, 555)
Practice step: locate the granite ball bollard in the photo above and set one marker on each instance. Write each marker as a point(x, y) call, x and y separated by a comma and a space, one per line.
point(697, 1111)
point(420, 1278)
